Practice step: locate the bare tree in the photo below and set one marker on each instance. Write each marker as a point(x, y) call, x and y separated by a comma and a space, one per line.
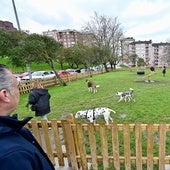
point(107, 35)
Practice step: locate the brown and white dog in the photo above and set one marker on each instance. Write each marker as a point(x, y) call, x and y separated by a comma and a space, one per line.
point(92, 87)
point(93, 114)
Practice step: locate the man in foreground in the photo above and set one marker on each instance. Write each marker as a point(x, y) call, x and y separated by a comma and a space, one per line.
point(19, 149)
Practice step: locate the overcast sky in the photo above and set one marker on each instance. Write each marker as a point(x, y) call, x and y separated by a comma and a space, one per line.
point(140, 19)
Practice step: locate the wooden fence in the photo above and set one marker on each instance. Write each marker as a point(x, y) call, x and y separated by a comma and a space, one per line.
point(115, 146)
point(26, 85)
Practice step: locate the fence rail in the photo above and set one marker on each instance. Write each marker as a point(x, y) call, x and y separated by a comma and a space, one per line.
point(115, 146)
point(26, 85)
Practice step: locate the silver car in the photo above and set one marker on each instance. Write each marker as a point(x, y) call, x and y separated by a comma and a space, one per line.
point(39, 75)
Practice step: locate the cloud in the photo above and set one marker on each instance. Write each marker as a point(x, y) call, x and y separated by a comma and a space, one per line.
point(146, 19)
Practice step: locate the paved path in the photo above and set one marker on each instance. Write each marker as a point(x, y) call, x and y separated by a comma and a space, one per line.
point(167, 167)
point(66, 167)
point(63, 168)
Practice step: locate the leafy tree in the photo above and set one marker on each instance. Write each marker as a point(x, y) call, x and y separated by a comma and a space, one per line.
point(23, 49)
point(70, 56)
point(10, 46)
point(141, 62)
point(4, 42)
point(133, 59)
point(44, 49)
point(82, 55)
point(61, 58)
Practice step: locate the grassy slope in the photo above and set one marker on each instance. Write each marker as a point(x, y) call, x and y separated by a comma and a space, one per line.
point(152, 99)
point(33, 66)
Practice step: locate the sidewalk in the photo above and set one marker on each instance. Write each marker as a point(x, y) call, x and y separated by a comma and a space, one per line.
point(63, 168)
point(167, 167)
point(66, 167)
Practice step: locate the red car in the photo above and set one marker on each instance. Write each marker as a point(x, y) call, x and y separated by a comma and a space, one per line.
point(63, 73)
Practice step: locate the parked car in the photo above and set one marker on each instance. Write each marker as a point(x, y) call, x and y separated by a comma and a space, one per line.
point(78, 70)
point(63, 73)
point(24, 74)
point(83, 70)
point(71, 71)
point(17, 77)
point(39, 75)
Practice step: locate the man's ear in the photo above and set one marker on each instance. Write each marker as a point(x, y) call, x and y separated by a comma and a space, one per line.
point(4, 96)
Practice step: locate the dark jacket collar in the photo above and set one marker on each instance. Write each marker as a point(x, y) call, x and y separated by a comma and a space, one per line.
point(11, 123)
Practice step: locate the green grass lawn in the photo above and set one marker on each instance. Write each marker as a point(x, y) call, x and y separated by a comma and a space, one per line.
point(152, 99)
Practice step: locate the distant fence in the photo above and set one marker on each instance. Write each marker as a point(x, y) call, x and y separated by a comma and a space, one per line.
point(25, 86)
point(115, 146)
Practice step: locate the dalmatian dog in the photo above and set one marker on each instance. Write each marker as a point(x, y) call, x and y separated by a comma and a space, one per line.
point(93, 114)
point(127, 95)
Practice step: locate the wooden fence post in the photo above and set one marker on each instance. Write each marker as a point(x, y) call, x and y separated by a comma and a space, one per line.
point(138, 142)
point(162, 140)
point(92, 140)
point(115, 145)
point(150, 140)
point(47, 140)
point(126, 134)
point(57, 140)
point(104, 146)
point(70, 145)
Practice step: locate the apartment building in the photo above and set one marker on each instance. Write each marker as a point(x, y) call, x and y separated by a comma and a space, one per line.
point(126, 51)
point(68, 38)
point(143, 49)
point(154, 54)
point(161, 52)
point(6, 25)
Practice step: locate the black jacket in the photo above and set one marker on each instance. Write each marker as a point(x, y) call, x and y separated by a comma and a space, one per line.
point(19, 149)
point(40, 101)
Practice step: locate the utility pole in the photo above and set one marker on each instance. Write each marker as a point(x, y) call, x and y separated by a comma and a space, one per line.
point(16, 16)
point(19, 28)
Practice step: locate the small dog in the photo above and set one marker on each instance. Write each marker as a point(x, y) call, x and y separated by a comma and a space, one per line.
point(126, 95)
point(92, 87)
point(93, 114)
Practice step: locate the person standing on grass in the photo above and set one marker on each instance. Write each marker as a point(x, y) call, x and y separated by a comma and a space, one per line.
point(19, 149)
point(39, 98)
point(164, 71)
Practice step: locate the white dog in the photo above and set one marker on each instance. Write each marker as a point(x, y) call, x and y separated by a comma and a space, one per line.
point(92, 87)
point(126, 95)
point(92, 114)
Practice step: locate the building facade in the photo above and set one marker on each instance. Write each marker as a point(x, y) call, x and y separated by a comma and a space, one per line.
point(154, 54)
point(6, 25)
point(161, 53)
point(68, 38)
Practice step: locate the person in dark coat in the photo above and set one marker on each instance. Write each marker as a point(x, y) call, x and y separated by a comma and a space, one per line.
point(39, 98)
point(164, 71)
point(19, 149)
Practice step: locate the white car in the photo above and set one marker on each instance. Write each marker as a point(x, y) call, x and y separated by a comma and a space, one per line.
point(71, 71)
point(39, 75)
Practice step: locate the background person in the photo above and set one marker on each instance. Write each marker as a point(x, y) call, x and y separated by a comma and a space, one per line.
point(39, 98)
point(19, 149)
point(164, 71)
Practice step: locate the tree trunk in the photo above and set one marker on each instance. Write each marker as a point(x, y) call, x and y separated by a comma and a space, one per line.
point(51, 64)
